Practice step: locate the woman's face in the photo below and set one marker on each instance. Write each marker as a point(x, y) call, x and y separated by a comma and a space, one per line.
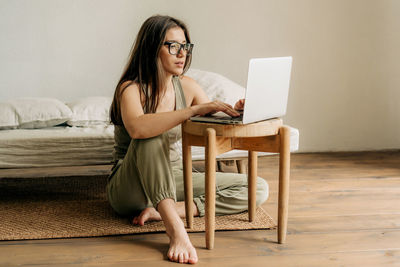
point(173, 64)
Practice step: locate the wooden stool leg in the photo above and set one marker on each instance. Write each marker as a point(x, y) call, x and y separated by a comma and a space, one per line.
point(219, 166)
point(210, 186)
point(241, 166)
point(252, 184)
point(187, 180)
point(284, 173)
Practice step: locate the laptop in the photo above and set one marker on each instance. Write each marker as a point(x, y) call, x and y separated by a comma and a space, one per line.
point(266, 94)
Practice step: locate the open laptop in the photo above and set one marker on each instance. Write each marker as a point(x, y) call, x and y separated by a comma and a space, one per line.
point(266, 94)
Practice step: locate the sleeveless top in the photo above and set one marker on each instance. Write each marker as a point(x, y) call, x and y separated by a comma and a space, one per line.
point(122, 139)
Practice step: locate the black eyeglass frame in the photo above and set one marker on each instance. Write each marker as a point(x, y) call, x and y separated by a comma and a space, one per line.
point(186, 47)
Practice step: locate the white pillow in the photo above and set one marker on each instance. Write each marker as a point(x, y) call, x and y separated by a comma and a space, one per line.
point(38, 112)
point(90, 111)
point(8, 117)
point(216, 86)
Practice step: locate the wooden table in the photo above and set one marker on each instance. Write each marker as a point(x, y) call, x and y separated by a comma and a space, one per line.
point(265, 136)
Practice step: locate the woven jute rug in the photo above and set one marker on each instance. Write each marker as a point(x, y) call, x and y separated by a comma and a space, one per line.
point(65, 207)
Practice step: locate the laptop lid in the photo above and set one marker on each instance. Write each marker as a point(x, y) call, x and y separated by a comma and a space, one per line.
point(267, 88)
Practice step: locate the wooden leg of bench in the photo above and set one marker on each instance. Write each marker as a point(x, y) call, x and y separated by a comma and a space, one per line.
point(219, 166)
point(241, 166)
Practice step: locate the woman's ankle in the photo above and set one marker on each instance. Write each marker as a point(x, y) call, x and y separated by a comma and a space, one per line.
point(180, 207)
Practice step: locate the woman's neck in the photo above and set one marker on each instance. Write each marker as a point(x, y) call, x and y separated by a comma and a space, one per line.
point(168, 79)
point(167, 82)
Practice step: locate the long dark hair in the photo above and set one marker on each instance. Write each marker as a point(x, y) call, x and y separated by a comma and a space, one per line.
point(144, 66)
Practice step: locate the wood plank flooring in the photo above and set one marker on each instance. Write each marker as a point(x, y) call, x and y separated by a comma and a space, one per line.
point(344, 211)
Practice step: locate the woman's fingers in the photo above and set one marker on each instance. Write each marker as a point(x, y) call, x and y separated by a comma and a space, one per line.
point(228, 109)
point(239, 104)
point(215, 106)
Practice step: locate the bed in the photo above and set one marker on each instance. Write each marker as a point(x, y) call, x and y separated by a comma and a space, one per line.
point(56, 146)
point(45, 133)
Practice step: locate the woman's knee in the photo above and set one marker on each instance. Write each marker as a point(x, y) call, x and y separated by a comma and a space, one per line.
point(155, 148)
point(153, 144)
point(262, 191)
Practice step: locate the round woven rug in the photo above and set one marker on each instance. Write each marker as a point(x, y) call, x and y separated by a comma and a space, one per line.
point(64, 207)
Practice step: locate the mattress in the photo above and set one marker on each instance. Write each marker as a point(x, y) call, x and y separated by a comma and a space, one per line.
point(78, 146)
point(56, 146)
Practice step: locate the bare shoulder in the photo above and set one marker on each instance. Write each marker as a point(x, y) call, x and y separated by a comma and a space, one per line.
point(129, 85)
point(130, 92)
point(129, 89)
point(193, 92)
point(189, 83)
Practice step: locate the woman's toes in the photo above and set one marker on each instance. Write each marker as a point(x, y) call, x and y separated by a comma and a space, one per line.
point(175, 257)
point(185, 257)
point(142, 220)
point(181, 258)
point(192, 258)
point(170, 255)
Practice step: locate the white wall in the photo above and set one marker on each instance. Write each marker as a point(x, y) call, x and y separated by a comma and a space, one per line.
point(345, 89)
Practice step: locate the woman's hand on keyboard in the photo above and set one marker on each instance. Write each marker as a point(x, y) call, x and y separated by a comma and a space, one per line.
point(214, 106)
point(239, 105)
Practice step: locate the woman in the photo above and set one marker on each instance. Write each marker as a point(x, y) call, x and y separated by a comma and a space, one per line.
point(150, 102)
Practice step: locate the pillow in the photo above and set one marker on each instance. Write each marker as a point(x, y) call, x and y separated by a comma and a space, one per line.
point(8, 117)
point(38, 112)
point(90, 111)
point(216, 86)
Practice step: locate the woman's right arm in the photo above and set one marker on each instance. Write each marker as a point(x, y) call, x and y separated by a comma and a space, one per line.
point(140, 125)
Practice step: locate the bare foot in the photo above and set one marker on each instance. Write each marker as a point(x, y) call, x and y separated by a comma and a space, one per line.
point(180, 248)
point(147, 215)
point(150, 214)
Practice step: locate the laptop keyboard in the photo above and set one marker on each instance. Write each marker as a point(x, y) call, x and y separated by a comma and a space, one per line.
point(240, 118)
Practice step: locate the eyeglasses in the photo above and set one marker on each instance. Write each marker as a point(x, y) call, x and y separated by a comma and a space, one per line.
point(174, 48)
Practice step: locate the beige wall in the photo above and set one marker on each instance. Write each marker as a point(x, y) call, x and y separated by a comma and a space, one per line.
point(345, 89)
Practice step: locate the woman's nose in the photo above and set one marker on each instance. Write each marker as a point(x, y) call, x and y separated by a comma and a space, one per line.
point(181, 53)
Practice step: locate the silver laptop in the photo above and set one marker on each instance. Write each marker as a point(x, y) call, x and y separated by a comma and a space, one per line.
point(266, 94)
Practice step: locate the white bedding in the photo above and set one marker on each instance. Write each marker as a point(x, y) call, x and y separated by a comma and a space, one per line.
point(56, 146)
point(77, 146)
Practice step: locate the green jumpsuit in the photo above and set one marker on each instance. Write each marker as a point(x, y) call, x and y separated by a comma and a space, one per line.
point(150, 170)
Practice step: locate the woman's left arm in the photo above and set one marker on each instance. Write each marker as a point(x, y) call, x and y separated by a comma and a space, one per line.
point(194, 94)
point(196, 98)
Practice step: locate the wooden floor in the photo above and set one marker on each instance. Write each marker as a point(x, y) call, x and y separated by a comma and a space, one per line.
point(344, 211)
